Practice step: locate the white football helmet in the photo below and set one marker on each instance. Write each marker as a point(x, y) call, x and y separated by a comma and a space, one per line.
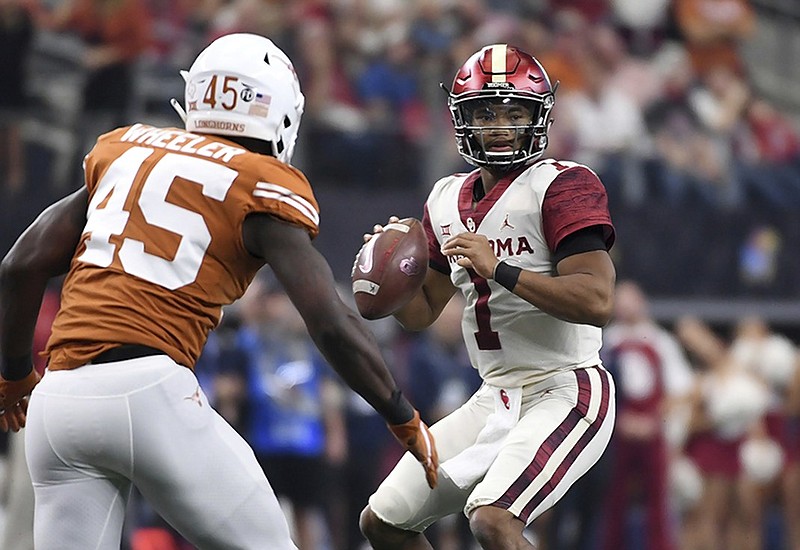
point(244, 85)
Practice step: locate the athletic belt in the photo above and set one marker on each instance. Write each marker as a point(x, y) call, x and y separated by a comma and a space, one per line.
point(125, 352)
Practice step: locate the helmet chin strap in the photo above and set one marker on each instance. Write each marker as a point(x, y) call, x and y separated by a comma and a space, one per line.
point(504, 158)
point(178, 108)
point(503, 161)
point(174, 102)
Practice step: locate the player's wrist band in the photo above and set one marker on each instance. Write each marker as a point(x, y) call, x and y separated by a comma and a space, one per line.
point(398, 410)
point(506, 275)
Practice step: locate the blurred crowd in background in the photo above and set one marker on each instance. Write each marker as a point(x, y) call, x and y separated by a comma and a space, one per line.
point(686, 108)
point(683, 107)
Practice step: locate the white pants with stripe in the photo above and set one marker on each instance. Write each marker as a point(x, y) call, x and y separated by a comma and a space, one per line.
point(564, 427)
point(95, 431)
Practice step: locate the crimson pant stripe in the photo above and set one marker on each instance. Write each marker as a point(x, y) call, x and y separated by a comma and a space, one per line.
point(550, 444)
point(555, 439)
point(573, 454)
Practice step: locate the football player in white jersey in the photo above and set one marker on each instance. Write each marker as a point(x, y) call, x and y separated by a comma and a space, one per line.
point(526, 241)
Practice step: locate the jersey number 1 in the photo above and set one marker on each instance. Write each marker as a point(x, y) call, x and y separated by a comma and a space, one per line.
point(107, 216)
point(487, 338)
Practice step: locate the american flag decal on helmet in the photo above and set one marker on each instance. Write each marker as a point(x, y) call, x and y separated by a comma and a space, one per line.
point(260, 105)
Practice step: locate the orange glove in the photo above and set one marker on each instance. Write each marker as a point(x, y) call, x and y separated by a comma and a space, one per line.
point(415, 436)
point(14, 402)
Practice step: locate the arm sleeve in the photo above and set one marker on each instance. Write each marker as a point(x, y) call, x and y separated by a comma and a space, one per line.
point(583, 240)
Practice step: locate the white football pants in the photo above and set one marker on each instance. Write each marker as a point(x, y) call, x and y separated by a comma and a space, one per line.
point(565, 426)
point(95, 431)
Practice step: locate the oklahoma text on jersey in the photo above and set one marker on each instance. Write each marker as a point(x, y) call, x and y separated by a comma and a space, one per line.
point(525, 216)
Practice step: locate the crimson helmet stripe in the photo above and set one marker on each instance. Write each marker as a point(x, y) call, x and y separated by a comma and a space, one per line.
point(540, 472)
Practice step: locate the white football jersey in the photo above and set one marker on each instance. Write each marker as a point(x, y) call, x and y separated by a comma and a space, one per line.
point(525, 216)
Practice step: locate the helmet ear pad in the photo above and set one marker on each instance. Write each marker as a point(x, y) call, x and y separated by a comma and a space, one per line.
point(242, 85)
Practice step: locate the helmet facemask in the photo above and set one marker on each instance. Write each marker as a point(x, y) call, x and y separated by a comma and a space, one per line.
point(504, 76)
point(515, 121)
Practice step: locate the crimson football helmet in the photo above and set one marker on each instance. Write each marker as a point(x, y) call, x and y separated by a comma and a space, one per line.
point(501, 75)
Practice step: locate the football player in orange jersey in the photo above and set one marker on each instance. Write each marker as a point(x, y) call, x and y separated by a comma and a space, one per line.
point(171, 225)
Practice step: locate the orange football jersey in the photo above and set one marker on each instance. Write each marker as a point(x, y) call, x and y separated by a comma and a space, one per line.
point(162, 248)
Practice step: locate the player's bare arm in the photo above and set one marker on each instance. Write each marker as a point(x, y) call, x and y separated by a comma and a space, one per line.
point(305, 275)
point(43, 251)
point(582, 292)
point(475, 252)
point(336, 329)
point(428, 303)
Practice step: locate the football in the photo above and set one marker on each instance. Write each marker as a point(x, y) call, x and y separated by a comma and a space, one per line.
point(390, 268)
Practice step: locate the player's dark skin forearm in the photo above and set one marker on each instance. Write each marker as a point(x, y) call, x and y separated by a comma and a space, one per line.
point(340, 335)
point(427, 304)
point(583, 291)
point(43, 251)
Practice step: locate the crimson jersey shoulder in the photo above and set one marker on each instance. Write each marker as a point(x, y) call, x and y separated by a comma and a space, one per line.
point(574, 199)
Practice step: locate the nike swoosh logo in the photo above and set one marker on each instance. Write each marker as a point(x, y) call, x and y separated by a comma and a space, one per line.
point(365, 259)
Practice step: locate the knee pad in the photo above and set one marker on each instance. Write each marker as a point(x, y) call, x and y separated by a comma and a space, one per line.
point(391, 507)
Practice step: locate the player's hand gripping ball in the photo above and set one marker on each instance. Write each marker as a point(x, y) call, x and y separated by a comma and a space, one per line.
point(390, 268)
